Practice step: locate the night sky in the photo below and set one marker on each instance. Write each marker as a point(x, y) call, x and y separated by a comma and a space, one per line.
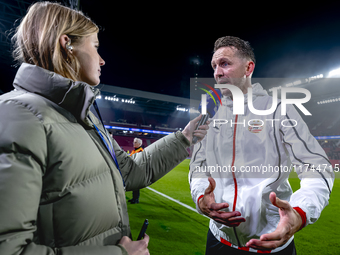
point(152, 47)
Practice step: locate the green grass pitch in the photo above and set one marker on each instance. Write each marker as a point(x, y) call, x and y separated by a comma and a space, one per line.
point(174, 229)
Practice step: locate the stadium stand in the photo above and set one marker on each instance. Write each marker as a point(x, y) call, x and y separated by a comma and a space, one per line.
point(324, 123)
point(129, 113)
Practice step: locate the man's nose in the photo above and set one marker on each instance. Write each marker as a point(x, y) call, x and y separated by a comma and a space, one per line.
point(218, 72)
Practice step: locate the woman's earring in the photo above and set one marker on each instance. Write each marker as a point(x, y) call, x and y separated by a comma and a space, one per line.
point(69, 46)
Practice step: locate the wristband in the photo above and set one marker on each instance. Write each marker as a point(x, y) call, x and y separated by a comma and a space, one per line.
point(198, 200)
point(303, 216)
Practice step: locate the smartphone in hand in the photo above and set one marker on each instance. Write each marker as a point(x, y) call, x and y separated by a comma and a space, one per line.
point(143, 230)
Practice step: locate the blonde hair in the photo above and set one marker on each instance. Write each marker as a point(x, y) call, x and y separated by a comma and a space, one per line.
point(36, 40)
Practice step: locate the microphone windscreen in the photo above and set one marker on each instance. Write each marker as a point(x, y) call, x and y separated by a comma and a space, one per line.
point(213, 102)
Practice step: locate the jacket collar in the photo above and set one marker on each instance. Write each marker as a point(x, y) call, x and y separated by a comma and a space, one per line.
point(76, 97)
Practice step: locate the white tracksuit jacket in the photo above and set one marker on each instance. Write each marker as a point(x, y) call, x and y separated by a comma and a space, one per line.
point(249, 161)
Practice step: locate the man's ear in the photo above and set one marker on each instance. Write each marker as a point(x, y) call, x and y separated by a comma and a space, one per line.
point(64, 40)
point(250, 68)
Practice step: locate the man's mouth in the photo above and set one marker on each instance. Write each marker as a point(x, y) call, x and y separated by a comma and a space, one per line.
point(223, 81)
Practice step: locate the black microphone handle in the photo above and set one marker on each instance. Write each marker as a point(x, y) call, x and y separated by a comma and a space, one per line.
point(201, 122)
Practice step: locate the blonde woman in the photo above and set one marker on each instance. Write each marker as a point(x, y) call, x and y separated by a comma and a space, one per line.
point(62, 178)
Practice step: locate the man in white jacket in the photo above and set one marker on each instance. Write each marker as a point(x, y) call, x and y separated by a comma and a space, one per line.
point(239, 171)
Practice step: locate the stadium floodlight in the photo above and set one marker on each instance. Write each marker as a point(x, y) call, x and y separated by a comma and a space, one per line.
point(298, 82)
point(330, 100)
point(315, 77)
point(108, 98)
point(295, 83)
point(334, 73)
point(181, 109)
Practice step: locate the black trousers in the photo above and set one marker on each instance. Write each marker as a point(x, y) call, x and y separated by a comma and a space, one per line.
point(135, 194)
point(215, 247)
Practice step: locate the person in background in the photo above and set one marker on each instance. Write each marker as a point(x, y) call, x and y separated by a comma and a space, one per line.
point(137, 144)
point(62, 177)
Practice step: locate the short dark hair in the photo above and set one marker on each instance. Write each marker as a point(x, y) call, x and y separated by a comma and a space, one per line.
point(243, 47)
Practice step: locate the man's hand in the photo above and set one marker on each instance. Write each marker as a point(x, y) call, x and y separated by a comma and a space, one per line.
point(290, 222)
point(213, 210)
point(135, 247)
point(189, 130)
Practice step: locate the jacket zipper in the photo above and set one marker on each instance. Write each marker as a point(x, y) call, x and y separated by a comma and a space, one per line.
point(234, 177)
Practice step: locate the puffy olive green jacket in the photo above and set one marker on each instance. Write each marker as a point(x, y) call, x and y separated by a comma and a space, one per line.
point(60, 190)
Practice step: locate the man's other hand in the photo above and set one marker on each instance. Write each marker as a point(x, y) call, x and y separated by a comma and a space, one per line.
point(213, 210)
point(290, 222)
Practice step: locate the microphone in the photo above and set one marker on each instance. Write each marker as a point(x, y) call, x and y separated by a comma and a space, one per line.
point(212, 106)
